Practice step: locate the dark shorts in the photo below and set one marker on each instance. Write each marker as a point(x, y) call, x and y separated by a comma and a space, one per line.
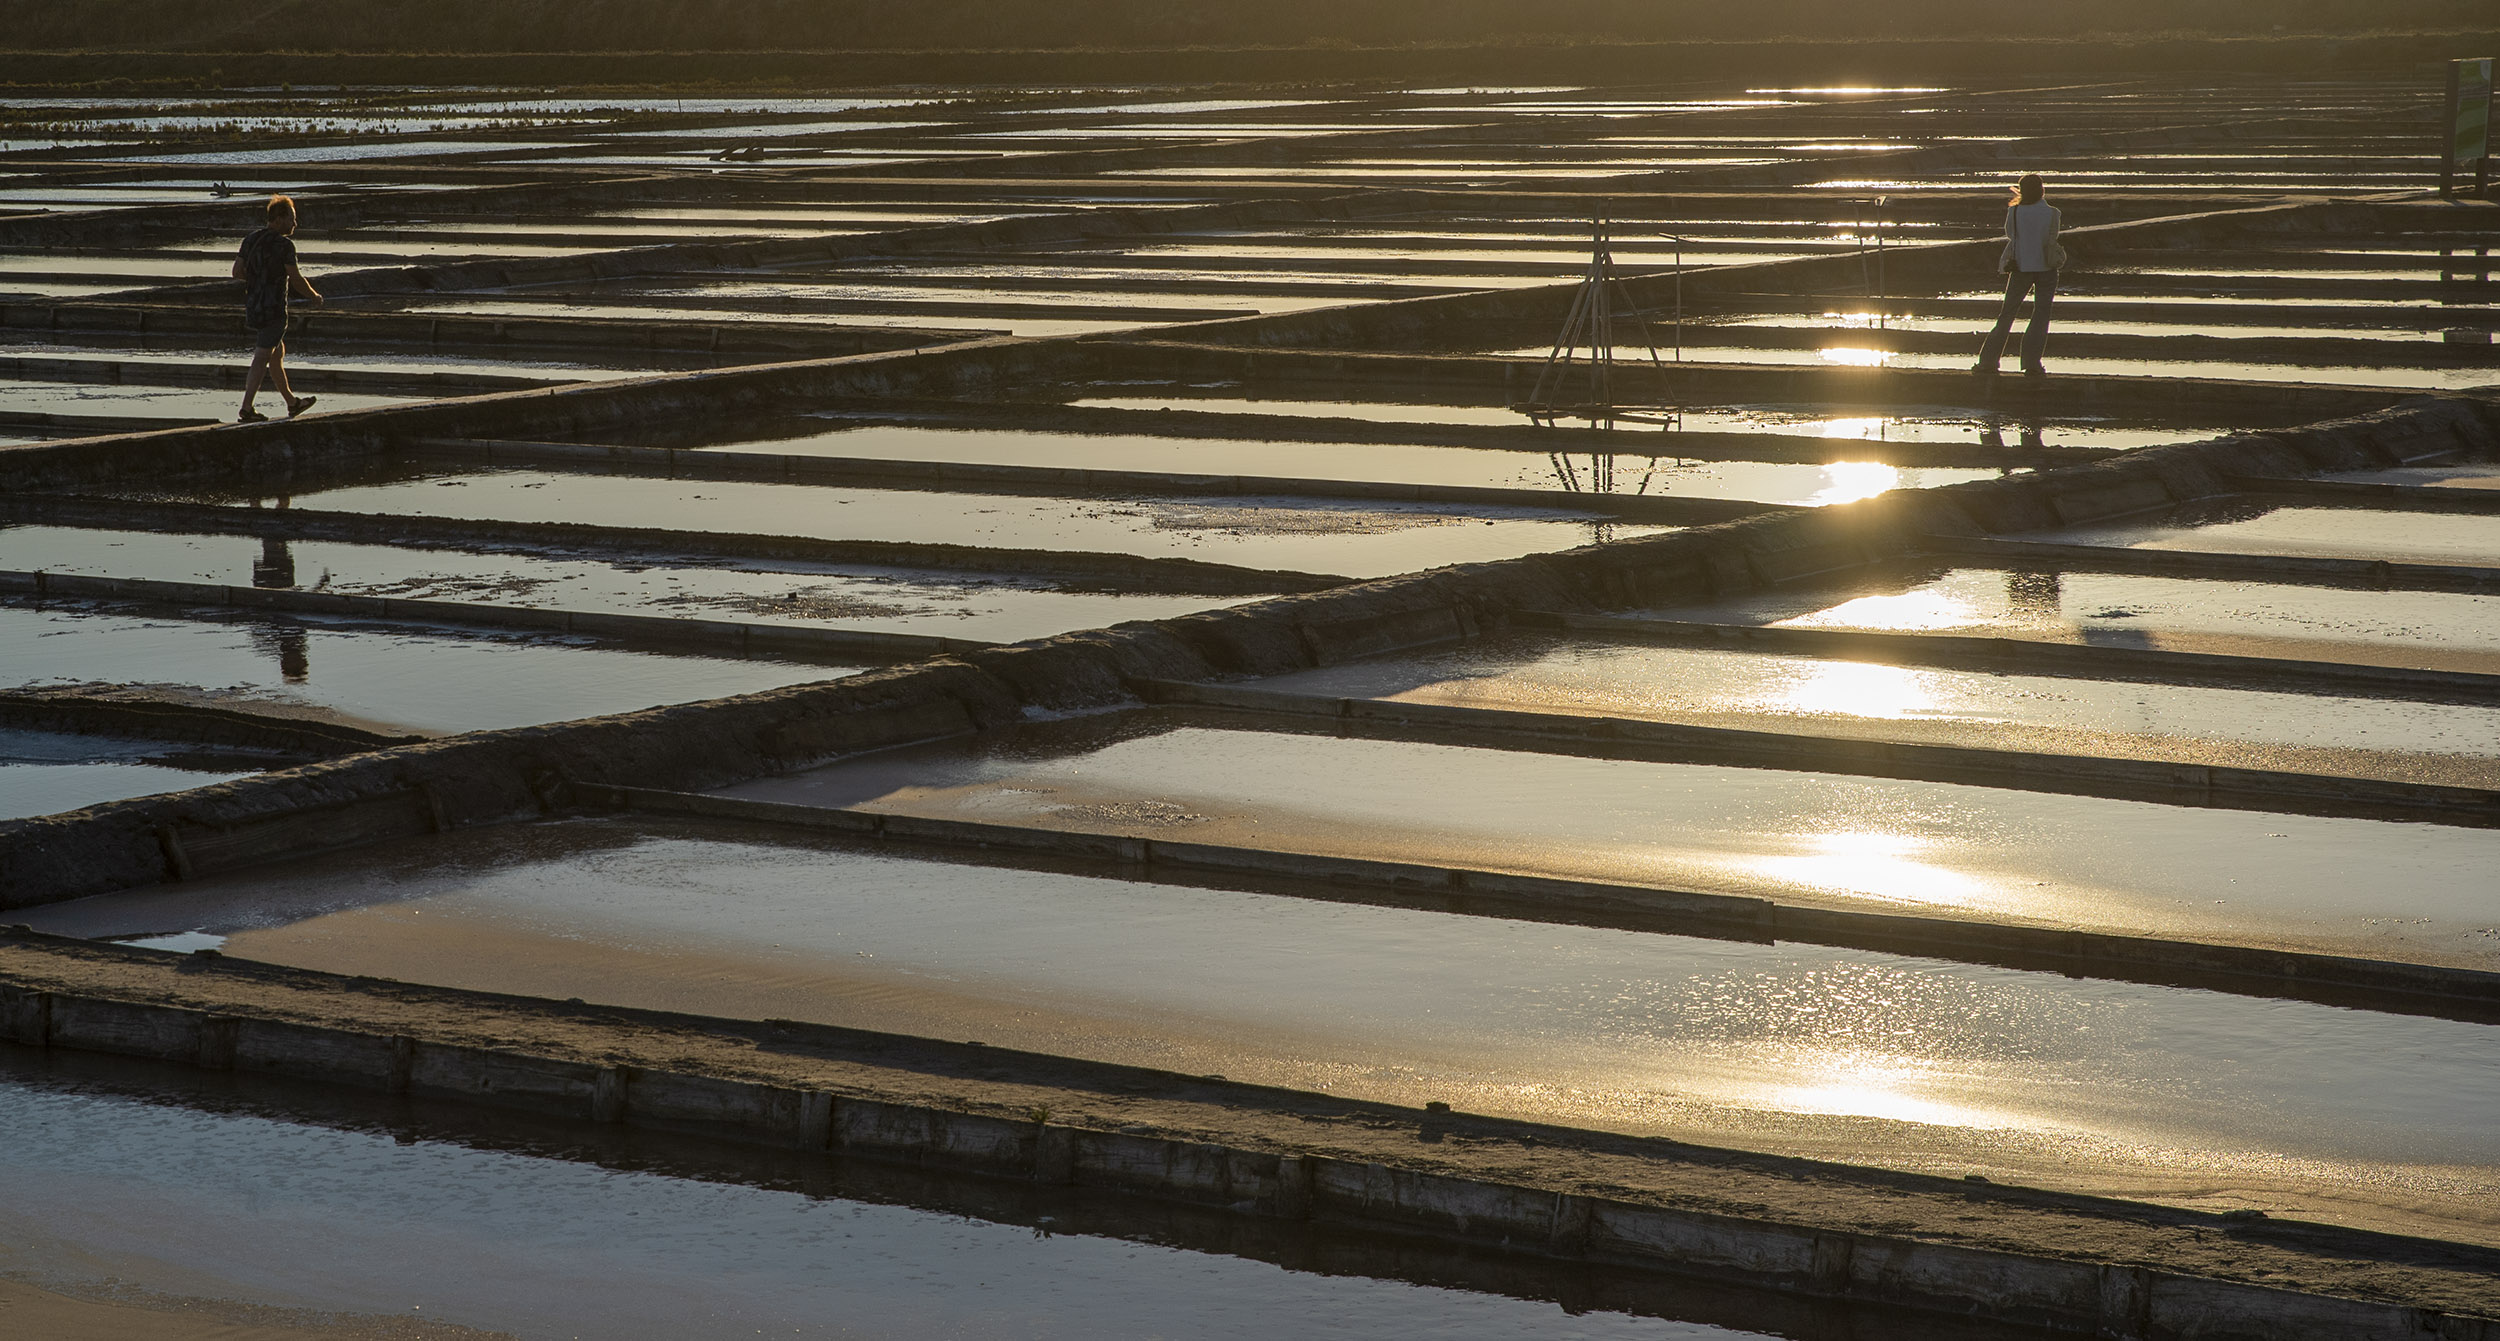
point(267, 335)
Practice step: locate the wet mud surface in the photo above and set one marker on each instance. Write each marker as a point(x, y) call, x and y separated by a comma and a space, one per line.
point(396, 679)
point(2421, 630)
point(997, 608)
point(1298, 535)
point(2378, 889)
point(1866, 700)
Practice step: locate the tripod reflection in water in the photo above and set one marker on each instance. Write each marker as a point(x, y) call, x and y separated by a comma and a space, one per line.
point(1584, 393)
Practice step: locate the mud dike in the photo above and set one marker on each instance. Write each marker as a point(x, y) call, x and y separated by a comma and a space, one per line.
point(1037, 678)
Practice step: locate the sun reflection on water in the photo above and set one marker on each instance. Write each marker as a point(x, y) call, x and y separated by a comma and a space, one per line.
point(1910, 611)
point(1860, 689)
point(1855, 428)
point(1860, 1084)
point(1873, 863)
point(1853, 480)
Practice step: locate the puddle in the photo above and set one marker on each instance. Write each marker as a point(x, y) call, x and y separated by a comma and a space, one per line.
point(1632, 106)
point(45, 773)
point(1636, 471)
point(110, 197)
point(2237, 307)
point(2384, 890)
point(1562, 256)
point(114, 1197)
point(332, 249)
point(2419, 742)
point(694, 158)
point(916, 211)
point(1976, 326)
point(766, 130)
point(2482, 475)
point(362, 151)
point(2426, 630)
point(40, 264)
point(279, 124)
point(2223, 369)
point(1886, 424)
point(432, 681)
point(995, 609)
point(621, 232)
point(179, 942)
point(625, 308)
point(1182, 106)
point(1104, 269)
point(42, 287)
point(212, 404)
point(1187, 130)
point(1299, 535)
point(695, 106)
point(905, 303)
point(906, 293)
point(2348, 533)
point(135, 362)
point(1884, 1059)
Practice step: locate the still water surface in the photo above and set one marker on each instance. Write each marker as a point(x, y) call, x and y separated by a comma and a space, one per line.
point(234, 1206)
point(1868, 1057)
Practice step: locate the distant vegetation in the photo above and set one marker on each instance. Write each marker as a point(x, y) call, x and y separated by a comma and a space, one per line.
point(194, 45)
point(511, 26)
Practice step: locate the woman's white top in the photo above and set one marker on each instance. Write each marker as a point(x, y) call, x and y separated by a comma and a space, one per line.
point(2029, 229)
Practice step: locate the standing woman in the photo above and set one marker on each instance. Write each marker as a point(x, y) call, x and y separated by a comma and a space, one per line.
point(2032, 258)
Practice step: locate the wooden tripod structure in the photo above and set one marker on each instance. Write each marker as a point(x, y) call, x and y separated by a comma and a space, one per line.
point(1568, 387)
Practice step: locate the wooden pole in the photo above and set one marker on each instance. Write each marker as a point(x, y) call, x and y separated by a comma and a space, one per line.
point(2448, 132)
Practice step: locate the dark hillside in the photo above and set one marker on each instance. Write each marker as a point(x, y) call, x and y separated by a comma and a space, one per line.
point(480, 26)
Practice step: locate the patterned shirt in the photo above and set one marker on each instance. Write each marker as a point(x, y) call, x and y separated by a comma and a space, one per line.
point(268, 256)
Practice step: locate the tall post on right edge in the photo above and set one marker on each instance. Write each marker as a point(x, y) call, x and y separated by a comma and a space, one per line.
point(2466, 130)
point(2448, 132)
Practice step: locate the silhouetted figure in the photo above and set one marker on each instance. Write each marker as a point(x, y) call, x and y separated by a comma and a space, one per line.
point(266, 265)
point(2032, 258)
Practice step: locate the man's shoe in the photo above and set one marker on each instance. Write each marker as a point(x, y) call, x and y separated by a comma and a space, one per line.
point(2034, 370)
point(1984, 369)
point(251, 416)
point(300, 406)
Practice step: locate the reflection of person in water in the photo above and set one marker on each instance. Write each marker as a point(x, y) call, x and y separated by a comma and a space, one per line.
point(294, 655)
point(276, 566)
point(2029, 435)
point(290, 643)
point(275, 569)
point(2039, 595)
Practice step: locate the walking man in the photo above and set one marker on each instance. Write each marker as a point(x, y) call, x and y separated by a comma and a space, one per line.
point(266, 265)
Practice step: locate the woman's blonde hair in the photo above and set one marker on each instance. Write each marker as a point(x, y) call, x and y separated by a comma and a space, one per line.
point(2029, 190)
point(281, 207)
